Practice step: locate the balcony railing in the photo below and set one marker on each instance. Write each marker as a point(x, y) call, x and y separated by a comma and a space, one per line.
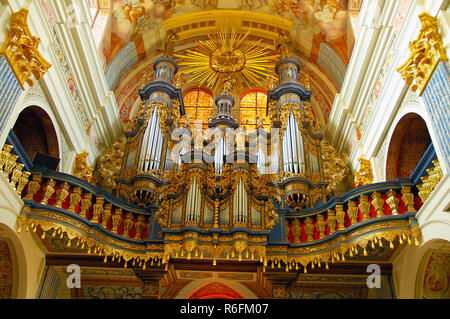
point(60, 202)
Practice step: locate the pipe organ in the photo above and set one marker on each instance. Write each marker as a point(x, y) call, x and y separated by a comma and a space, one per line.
point(210, 187)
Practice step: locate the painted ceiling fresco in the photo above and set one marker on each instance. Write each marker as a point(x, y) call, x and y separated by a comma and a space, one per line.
point(322, 32)
point(325, 19)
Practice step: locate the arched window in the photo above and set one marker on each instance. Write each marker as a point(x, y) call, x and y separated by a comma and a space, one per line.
point(35, 131)
point(198, 103)
point(253, 103)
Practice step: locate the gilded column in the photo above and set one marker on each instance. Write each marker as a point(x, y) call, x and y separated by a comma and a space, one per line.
point(116, 219)
point(61, 194)
point(340, 216)
point(48, 191)
point(309, 229)
point(364, 206)
point(106, 214)
point(331, 220)
point(97, 209)
point(296, 230)
point(128, 224)
point(33, 187)
point(378, 203)
point(74, 198)
point(321, 225)
point(392, 201)
point(352, 212)
point(408, 198)
point(86, 203)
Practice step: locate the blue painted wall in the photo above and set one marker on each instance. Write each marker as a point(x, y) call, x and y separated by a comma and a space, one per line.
point(10, 90)
point(437, 102)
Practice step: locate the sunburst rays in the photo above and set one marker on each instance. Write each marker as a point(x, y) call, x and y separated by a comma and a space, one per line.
point(228, 53)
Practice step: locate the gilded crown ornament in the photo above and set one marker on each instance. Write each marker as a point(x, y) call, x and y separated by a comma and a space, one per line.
point(427, 51)
point(21, 50)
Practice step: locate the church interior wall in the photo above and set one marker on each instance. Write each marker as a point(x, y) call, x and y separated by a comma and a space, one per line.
point(350, 109)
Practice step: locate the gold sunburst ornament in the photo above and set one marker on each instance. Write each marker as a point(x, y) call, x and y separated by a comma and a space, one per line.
point(228, 54)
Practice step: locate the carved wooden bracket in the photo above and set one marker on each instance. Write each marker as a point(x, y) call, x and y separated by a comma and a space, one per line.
point(21, 50)
point(426, 53)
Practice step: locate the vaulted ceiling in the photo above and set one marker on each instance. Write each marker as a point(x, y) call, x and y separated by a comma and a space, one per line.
point(322, 36)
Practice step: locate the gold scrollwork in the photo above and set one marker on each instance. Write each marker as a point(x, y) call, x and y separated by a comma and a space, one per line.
point(21, 50)
point(426, 53)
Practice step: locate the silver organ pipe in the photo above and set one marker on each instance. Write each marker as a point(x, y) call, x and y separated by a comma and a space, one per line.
point(193, 203)
point(221, 151)
point(151, 149)
point(261, 162)
point(240, 204)
point(292, 144)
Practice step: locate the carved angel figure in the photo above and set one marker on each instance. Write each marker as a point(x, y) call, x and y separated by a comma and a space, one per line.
point(171, 40)
point(282, 45)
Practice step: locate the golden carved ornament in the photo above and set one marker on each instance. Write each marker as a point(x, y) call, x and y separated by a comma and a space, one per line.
point(171, 40)
point(352, 212)
point(75, 198)
point(427, 51)
point(16, 174)
point(82, 169)
point(21, 50)
point(331, 220)
point(33, 187)
point(47, 191)
point(309, 229)
point(97, 209)
point(110, 162)
point(282, 44)
point(86, 203)
point(364, 206)
point(364, 175)
point(61, 194)
point(4, 155)
point(392, 201)
point(321, 225)
point(378, 203)
point(334, 166)
point(349, 244)
point(408, 198)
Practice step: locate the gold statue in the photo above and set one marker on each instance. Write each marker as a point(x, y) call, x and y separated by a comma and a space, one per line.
point(179, 80)
point(363, 176)
point(228, 85)
point(171, 40)
point(282, 45)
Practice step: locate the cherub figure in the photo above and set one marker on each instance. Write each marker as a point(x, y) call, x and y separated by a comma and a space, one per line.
point(282, 45)
point(171, 40)
point(228, 85)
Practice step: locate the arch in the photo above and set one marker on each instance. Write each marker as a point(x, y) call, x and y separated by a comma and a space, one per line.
point(35, 130)
point(215, 290)
point(409, 141)
point(198, 103)
point(253, 102)
point(13, 270)
point(433, 276)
